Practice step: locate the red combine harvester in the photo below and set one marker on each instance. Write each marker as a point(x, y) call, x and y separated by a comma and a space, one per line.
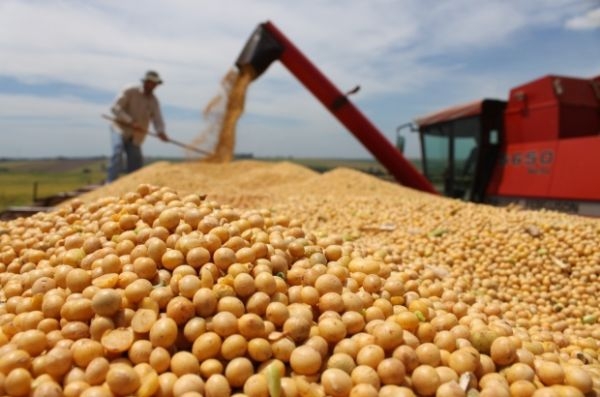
point(540, 149)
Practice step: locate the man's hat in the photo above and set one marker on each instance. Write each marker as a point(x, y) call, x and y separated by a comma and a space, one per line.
point(153, 76)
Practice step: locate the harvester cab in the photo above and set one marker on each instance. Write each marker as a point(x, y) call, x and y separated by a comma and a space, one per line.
point(459, 147)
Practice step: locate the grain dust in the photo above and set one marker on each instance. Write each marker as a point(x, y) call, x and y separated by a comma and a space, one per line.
point(222, 114)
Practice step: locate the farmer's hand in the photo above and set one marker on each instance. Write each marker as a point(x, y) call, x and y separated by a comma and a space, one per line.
point(163, 136)
point(137, 127)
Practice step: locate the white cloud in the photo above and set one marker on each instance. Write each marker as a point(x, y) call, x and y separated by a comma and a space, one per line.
point(590, 20)
point(104, 46)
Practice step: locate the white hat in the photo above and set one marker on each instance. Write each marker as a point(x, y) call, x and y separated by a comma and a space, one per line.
point(153, 76)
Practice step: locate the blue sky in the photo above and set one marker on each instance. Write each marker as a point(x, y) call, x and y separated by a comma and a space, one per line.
point(63, 63)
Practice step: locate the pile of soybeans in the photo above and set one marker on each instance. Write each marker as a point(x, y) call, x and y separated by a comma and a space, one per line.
point(269, 280)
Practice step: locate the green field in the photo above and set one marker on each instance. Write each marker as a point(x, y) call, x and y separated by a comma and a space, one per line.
point(24, 181)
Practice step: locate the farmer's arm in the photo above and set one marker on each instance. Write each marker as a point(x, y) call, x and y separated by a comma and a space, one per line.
point(158, 122)
point(119, 106)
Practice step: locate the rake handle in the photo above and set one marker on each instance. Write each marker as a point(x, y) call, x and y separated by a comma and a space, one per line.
point(174, 142)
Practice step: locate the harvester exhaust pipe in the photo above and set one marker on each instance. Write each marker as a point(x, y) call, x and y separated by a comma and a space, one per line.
point(260, 51)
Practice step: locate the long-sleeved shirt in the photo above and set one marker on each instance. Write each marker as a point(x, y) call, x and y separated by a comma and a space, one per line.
point(133, 106)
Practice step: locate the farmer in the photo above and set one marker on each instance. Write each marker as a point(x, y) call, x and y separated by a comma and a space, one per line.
point(134, 108)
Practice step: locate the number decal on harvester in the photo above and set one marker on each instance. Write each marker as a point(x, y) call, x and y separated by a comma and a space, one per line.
point(536, 161)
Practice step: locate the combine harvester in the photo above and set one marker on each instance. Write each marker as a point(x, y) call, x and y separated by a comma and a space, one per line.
point(541, 149)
